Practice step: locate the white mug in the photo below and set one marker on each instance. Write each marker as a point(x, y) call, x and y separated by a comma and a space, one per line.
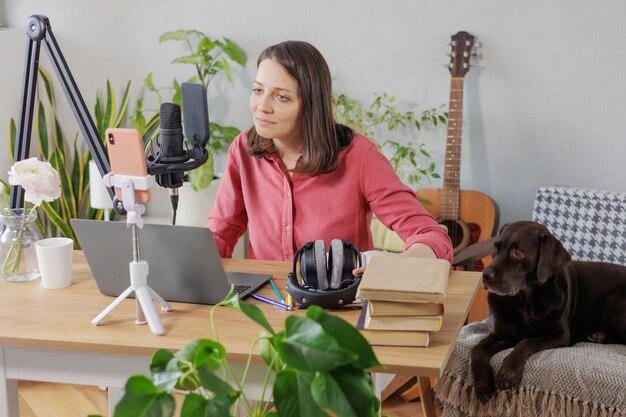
point(54, 256)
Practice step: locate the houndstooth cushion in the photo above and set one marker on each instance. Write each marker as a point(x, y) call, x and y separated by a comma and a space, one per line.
point(591, 224)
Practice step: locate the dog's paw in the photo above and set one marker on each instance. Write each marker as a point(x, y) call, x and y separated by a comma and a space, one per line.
point(598, 337)
point(509, 376)
point(485, 388)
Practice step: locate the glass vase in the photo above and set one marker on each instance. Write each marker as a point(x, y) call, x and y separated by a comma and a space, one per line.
point(18, 258)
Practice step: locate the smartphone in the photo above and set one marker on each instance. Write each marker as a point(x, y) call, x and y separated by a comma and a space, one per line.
point(126, 156)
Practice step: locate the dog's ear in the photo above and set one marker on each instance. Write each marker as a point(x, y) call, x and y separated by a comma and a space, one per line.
point(553, 257)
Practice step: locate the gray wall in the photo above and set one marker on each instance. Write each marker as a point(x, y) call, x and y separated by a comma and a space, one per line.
point(544, 105)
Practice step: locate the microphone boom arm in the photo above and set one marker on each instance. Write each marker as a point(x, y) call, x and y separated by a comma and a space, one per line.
point(38, 29)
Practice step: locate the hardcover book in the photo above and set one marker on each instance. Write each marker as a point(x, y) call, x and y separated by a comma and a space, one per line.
point(404, 278)
point(392, 308)
point(408, 323)
point(392, 337)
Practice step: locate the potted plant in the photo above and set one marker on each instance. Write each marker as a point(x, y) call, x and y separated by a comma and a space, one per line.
point(384, 123)
point(209, 57)
point(318, 365)
point(70, 162)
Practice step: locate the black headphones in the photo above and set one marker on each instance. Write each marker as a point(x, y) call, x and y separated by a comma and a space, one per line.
point(328, 284)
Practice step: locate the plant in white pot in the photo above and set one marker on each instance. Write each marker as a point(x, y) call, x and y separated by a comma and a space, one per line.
point(209, 58)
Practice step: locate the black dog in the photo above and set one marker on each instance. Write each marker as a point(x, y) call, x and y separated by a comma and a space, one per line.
point(539, 299)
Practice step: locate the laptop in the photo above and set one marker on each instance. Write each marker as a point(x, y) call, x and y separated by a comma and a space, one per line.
point(183, 261)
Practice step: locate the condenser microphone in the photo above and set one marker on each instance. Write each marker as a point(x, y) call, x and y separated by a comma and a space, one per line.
point(171, 146)
point(174, 159)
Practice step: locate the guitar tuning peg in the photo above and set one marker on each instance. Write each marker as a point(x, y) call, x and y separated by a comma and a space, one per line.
point(477, 56)
point(478, 44)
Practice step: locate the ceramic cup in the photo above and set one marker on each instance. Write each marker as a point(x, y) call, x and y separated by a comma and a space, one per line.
point(54, 256)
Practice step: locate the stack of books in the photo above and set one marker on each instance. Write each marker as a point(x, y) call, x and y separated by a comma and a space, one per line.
point(404, 300)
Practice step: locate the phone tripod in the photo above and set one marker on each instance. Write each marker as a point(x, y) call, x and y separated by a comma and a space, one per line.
point(138, 267)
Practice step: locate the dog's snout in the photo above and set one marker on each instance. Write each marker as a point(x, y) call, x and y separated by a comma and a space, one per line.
point(489, 275)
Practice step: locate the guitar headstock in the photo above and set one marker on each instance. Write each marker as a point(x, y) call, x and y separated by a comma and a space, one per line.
point(462, 45)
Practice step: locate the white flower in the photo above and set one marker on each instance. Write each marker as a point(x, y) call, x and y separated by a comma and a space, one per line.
point(38, 178)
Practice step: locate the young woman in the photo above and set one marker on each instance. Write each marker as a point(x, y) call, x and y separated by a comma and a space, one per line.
point(296, 175)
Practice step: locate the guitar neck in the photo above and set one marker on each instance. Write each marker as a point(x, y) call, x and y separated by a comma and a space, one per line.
point(452, 171)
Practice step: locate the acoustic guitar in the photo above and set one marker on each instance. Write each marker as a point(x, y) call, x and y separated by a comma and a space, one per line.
point(470, 216)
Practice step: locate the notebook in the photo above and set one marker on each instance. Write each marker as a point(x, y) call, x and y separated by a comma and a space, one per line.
point(183, 261)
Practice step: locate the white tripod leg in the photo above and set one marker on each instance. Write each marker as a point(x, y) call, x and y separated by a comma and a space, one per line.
point(164, 305)
point(139, 282)
point(111, 306)
point(143, 295)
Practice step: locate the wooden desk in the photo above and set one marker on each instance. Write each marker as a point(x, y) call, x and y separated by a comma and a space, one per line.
point(46, 335)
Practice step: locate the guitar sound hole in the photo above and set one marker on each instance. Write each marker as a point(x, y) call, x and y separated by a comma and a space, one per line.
point(457, 232)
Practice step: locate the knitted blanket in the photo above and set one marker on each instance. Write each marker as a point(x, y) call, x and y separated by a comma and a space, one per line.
point(585, 380)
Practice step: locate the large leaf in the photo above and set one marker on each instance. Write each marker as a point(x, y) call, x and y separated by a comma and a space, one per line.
point(196, 405)
point(143, 399)
point(202, 176)
point(292, 395)
point(306, 346)
point(270, 354)
point(178, 35)
point(164, 370)
point(253, 312)
point(234, 52)
point(189, 59)
point(347, 392)
point(346, 336)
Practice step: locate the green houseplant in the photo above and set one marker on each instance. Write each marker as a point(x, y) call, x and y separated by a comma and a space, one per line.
point(383, 122)
point(318, 362)
point(70, 162)
point(210, 58)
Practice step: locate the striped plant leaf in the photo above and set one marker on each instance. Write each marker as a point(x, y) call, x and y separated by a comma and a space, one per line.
point(109, 110)
point(47, 82)
point(77, 177)
point(12, 139)
point(41, 127)
point(121, 114)
point(99, 117)
point(68, 201)
point(59, 222)
point(59, 141)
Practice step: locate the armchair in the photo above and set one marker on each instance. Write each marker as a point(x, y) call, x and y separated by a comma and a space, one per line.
point(586, 379)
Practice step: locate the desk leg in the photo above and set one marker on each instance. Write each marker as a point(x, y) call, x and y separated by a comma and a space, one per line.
point(9, 400)
point(426, 391)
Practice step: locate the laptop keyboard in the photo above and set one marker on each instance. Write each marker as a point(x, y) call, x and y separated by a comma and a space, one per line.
point(239, 288)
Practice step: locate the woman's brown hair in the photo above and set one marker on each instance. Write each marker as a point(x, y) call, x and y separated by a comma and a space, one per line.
point(322, 138)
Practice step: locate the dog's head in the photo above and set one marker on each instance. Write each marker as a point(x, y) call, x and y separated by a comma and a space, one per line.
point(526, 253)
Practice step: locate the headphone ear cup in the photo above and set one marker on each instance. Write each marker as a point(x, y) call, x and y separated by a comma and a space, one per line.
point(313, 265)
point(320, 265)
point(336, 263)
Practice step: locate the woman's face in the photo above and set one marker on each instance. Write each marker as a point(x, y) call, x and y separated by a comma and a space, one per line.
point(275, 103)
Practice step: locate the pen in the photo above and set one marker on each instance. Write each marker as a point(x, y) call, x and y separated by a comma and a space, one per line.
point(270, 301)
point(280, 297)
